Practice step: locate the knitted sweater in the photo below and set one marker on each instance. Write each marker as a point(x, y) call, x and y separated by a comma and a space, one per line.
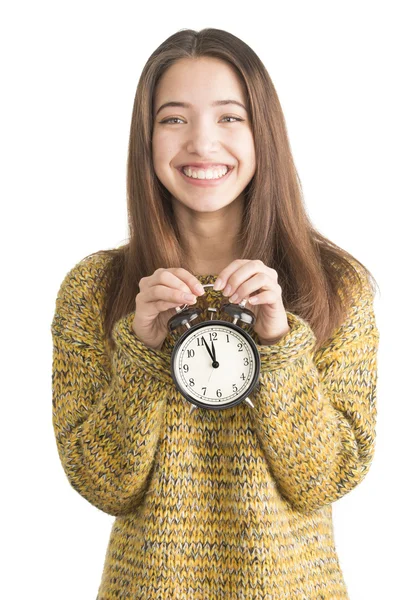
point(219, 504)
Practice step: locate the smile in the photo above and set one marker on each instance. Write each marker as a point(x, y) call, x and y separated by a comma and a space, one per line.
point(206, 182)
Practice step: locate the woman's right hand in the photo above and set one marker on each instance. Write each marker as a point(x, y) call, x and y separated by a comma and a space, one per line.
point(155, 304)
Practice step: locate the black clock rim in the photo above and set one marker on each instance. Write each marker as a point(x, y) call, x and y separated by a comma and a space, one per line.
point(247, 337)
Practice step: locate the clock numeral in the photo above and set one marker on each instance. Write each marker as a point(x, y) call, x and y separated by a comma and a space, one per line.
point(200, 341)
point(191, 381)
point(203, 388)
point(227, 336)
point(246, 361)
point(218, 393)
point(235, 386)
point(185, 368)
point(190, 353)
point(240, 347)
point(213, 333)
point(243, 376)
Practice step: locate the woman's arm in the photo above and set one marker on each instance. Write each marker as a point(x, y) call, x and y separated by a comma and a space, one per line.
point(107, 412)
point(315, 414)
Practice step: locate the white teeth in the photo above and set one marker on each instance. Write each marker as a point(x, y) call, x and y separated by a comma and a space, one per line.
point(215, 173)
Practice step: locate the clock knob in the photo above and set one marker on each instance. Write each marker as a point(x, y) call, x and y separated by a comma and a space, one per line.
point(184, 317)
point(238, 313)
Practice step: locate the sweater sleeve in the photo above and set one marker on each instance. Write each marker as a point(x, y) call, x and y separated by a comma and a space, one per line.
point(107, 410)
point(315, 414)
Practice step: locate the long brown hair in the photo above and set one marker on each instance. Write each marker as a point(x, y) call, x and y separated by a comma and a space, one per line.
point(309, 266)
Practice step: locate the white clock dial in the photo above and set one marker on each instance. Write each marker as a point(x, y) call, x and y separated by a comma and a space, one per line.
point(194, 366)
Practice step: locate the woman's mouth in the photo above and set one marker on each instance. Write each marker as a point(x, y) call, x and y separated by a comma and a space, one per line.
point(206, 182)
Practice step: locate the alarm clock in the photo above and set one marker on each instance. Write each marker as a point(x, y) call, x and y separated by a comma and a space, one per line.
point(215, 364)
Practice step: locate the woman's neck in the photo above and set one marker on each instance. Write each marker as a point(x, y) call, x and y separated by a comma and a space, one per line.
point(211, 267)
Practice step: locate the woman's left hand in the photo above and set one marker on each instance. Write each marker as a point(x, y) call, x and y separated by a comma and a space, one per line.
point(246, 277)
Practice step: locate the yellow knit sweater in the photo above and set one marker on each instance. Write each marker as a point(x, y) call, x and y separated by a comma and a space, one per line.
point(227, 504)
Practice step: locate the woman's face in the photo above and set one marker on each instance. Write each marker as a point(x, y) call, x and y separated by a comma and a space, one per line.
point(202, 133)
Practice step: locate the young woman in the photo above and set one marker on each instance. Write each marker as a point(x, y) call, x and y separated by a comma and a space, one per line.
point(233, 503)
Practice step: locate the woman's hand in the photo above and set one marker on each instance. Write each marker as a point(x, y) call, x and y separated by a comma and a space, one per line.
point(155, 304)
point(246, 277)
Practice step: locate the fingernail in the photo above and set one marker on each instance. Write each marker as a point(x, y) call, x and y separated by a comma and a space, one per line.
point(227, 290)
point(218, 284)
point(199, 288)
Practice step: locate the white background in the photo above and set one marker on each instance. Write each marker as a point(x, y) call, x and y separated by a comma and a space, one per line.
point(343, 73)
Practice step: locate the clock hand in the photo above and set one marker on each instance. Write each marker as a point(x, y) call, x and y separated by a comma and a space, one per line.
point(212, 371)
point(215, 363)
point(214, 351)
point(208, 349)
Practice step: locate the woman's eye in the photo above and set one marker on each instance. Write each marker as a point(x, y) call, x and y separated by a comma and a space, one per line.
point(178, 119)
point(169, 120)
point(235, 118)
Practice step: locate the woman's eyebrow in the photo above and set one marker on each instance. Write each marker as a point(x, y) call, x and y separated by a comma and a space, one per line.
point(187, 105)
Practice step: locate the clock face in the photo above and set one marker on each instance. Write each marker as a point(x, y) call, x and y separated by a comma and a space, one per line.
point(215, 364)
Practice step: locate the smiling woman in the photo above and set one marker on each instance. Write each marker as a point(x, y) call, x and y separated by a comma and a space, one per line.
point(231, 503)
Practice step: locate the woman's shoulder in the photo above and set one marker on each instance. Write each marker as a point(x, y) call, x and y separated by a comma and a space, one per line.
point(91, 266)
point(80, 296)
point(357, 284)
point(355, 280)
point(87, 274)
